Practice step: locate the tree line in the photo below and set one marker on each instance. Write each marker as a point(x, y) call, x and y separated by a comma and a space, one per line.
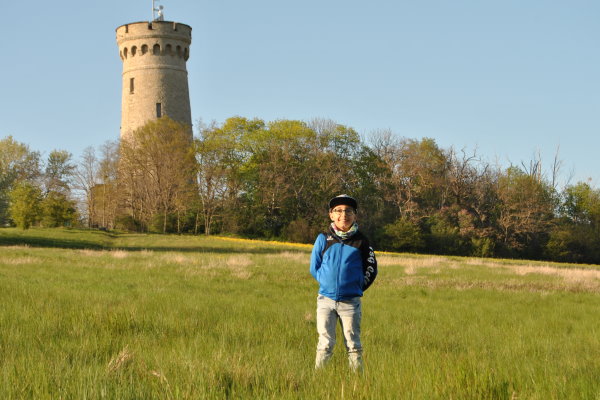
point(273, 180)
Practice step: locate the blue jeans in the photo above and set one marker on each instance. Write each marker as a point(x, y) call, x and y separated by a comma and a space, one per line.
point(349, 313)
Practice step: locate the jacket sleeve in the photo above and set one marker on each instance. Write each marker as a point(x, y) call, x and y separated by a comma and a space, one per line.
point(317, 255)
point(369, 264)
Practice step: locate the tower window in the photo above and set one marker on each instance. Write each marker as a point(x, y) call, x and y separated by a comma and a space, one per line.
point(155, 50)
point(131, 85)
point(158, 110)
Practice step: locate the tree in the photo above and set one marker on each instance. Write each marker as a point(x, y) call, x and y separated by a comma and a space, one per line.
point(211, 177)
point(576, 236)
point(370, 174)
point(17, 164)
point(461, 176)
point(85, 179)
point(280, 152)
point(106, 191)
point(415, 181)
point(157, 172)
point(59, 172)
point(466, 224)
point(336, 159)
point(582, 205)
point(57, 210)
point(525, 210)
point(95, 183)
point(25, 201)
point(220, 154)
point(293, 169)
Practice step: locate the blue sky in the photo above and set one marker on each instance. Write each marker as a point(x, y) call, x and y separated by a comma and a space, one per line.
point(510, 78)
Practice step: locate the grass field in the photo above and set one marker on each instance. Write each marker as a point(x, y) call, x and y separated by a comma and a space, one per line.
point(95, 315)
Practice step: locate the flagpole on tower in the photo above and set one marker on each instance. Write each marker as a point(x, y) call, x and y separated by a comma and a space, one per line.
point(159, 11)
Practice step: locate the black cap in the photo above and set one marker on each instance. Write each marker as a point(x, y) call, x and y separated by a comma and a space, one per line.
point(343, 199)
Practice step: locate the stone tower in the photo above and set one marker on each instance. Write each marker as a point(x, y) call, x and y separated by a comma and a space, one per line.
point(155, 80)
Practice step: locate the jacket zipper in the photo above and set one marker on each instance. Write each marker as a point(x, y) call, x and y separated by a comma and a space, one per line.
point(339, 271)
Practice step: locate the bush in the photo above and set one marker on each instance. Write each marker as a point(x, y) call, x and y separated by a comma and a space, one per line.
point(300, 231)
point(482, 247)
point(58, 211)
point(157, 224)
point(445, 237)
point(24, 207)
point(578, 244)
point(127, 223)
point(403, 235)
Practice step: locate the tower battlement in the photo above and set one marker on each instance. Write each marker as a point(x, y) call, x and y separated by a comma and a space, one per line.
point(157, 27)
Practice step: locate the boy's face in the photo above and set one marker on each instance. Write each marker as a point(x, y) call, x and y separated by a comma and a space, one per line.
point(343, 217)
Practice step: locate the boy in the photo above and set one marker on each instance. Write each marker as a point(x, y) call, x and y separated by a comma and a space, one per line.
point(344, 264)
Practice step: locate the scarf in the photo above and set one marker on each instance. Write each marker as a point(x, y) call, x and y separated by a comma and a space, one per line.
point(345, 235)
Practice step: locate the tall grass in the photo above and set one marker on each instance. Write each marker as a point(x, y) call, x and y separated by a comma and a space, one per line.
point(89, 315)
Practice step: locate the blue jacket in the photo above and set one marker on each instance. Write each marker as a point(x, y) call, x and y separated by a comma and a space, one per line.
point(343, 268)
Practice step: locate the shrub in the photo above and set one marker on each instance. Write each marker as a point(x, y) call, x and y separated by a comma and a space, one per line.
point(25, 201)
point(403, 235)
point(57, 210)
point(300, 231)
point(127, 223)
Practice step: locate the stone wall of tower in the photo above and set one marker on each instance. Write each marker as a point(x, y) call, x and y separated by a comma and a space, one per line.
point(155, 83)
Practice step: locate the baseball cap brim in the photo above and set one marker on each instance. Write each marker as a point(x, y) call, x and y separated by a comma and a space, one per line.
point(343, 199)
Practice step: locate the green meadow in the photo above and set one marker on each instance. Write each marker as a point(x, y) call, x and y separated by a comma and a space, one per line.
point(97, 315)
